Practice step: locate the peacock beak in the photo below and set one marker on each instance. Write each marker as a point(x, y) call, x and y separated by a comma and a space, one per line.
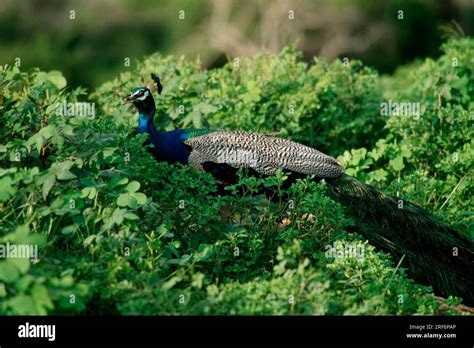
point(128, 99)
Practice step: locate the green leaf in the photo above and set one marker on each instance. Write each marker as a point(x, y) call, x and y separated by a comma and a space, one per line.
point(37, 140)
point(6, 188)
point(118, 216)
point(71, 229)
point(140, 197)
point(41, 298)
point(194, 117)
point(8, 171)
point(171, 283)
point(203, 253)
point(126, 200)
point(198, 280)
point(22, 264)
point(48, 131)
point(48, 183)
point(133, 186)
point(109, 151)
point(131, 216)
point(405, 151)
point(206, 108)
point(61, 170)
point(122, 181)
point(54, 77)
point(117, 181)
point(23, 305)
point(57, 79)
point(3, 290)
point(380, 175)
point(23, 283)
point(89, 240)
point(351, 171)
point(397, 163)
point(68, 130)
point(88, 192)
point(8, 272)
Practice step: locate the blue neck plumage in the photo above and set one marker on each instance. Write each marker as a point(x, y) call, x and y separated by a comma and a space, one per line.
point(168, 146)
point(145, 119)
point(143, 123)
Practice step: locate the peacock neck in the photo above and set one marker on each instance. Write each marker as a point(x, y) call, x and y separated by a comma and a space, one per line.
point(144, 123)
point(145, 120)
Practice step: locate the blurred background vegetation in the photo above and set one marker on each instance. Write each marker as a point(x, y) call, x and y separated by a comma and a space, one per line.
point(90, 40)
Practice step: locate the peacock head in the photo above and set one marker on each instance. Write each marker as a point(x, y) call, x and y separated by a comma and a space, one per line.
point(142, 99)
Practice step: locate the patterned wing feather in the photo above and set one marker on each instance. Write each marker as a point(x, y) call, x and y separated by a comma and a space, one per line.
point(265, 154)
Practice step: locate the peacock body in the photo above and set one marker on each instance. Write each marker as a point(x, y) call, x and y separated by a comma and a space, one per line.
point(410, 232)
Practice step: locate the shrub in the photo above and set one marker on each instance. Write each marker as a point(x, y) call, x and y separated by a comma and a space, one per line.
point(119, 233)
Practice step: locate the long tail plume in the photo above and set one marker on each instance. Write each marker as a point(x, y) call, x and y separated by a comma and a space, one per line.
point(435, 254)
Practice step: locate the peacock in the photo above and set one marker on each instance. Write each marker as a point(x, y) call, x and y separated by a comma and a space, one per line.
point(434, 253)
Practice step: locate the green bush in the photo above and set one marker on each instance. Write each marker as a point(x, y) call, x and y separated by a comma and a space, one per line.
point(428, 159)
point(331, 107)
point(119, 233)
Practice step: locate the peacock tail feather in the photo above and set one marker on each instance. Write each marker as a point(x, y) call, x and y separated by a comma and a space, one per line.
point(434, 253)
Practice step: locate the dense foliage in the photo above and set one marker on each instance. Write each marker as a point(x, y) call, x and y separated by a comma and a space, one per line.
point(119, 233)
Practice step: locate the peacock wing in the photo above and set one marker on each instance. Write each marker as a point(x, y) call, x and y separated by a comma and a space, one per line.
point(265, 154)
